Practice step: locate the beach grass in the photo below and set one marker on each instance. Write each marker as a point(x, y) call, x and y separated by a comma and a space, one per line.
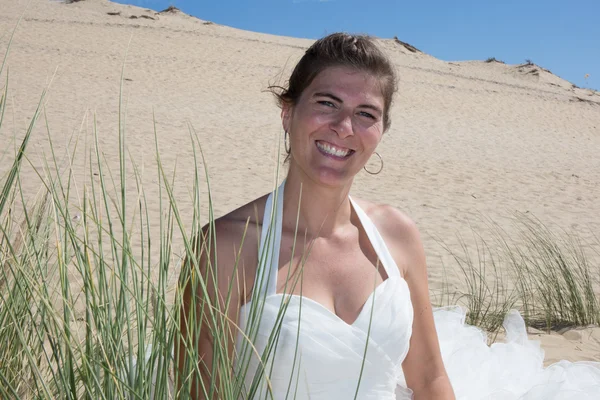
point(551, 276)
point(87, 308)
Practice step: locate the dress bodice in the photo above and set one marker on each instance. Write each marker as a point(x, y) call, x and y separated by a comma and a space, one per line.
point(300, 349)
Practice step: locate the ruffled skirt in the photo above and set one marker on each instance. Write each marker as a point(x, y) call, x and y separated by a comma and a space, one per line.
point(510, 370)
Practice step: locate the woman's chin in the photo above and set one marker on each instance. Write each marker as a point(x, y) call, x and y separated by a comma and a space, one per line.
point(327, 175)
point(332, 177)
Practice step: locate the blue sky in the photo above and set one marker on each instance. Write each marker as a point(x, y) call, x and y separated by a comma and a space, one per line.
point(560, 35)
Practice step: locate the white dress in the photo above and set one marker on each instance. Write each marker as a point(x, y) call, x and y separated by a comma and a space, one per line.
point(308, 352)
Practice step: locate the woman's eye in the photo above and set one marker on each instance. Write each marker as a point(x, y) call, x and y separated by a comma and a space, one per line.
point(326, 103)
point(366, 114)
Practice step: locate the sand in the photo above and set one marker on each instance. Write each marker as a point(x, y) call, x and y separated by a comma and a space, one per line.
point(470, 141)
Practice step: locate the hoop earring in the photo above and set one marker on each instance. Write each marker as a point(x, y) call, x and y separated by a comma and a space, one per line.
point(380, 169)
point(286, 142)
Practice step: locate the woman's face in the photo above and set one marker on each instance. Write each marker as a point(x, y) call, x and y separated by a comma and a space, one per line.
point(336, 125)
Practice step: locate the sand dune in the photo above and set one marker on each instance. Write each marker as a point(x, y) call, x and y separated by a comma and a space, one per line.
point(470, 140)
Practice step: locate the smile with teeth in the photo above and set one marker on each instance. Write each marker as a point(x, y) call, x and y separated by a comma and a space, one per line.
point(332, 150)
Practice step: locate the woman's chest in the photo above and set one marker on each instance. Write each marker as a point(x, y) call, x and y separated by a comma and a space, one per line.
point(339, 277)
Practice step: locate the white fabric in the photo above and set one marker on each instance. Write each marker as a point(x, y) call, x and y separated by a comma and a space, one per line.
point(316, 355)
point(510, 370)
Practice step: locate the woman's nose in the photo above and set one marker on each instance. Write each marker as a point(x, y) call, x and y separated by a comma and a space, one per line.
point(342, 125)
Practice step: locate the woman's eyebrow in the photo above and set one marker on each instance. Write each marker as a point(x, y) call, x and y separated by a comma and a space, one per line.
point(333, 97)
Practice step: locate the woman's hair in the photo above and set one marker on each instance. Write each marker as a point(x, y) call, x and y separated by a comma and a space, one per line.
point(341, 50)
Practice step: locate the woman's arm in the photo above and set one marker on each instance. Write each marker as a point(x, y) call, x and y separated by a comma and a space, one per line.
point(423, 367)
point(219, 314)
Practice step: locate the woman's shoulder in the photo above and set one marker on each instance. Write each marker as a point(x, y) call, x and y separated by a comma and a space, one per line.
point(240, 224)
point(398, 230)
point(236, 237)
point(389, 220)
point(237, 234)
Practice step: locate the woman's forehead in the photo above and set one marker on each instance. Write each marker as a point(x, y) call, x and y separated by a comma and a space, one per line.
point(347, 81)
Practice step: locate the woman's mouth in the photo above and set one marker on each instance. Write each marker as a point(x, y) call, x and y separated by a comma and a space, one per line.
point(338, 153)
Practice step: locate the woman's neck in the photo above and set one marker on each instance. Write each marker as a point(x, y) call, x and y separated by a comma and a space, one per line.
point(322, 210)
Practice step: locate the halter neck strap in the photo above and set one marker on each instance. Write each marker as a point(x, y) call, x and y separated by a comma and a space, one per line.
point(270, 243)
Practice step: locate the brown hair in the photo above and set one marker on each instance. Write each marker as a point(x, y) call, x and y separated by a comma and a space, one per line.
point(341, 50)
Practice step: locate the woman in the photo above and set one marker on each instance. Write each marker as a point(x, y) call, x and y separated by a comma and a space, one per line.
point(335, 111)
point(325, 296)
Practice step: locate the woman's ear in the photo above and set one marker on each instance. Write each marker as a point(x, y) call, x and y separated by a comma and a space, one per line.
point(286, 116)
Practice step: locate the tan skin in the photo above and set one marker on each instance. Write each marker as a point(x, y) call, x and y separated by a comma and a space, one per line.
point(342, 108)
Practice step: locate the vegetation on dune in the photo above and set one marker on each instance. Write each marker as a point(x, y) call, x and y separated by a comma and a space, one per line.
point(493, 59)
point(552, 279)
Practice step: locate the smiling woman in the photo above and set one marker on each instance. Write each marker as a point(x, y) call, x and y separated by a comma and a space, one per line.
point(346, 328)
point(335, 125)
point(340, 284)
point(337, 103)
